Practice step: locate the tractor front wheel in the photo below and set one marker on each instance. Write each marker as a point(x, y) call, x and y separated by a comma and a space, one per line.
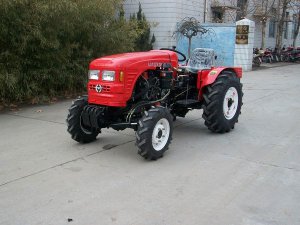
point(154, 133)
point(222, 103)
point(76, 128)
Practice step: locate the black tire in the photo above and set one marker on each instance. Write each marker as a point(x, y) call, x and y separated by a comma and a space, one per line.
point(75, 128)
point(256, 61)
point(148, 126)
point(281, 58)
point(269, 59)
point(286, 58)
point(214, 97)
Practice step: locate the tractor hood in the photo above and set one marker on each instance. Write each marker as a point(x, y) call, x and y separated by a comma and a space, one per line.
point(148, 60)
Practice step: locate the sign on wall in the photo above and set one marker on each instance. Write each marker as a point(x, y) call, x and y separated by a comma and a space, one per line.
point(242, 32)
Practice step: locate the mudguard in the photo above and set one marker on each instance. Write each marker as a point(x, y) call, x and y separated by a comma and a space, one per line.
point(207, 77)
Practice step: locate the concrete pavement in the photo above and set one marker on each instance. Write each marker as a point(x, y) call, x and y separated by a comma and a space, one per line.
point(250, 176)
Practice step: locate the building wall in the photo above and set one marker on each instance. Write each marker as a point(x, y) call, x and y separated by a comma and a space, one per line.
point(165, 14)
point(160, 16)
point(271, 41)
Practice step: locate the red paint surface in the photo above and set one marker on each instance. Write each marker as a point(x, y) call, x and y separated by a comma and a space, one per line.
point(133, 65)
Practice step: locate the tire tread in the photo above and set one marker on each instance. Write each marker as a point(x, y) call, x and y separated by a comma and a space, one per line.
point(212, 99)
point(144, 133)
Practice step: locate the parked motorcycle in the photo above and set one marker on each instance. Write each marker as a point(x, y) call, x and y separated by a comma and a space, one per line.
point(257, 60)
point(275, 55)
point(286, 54)
point(295, 55)
point(267, 56)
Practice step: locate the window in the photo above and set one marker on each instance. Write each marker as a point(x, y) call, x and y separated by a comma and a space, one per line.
point(272, 27)
point(217, 16)
point(295, 24)
point(286, 25)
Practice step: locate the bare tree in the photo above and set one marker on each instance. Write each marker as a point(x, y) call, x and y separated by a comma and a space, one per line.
point(242, 9)
point(282, 7)
point(264, 10)
point(190, 27)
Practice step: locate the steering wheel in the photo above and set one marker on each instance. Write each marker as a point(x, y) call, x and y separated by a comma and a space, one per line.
point(180, 53)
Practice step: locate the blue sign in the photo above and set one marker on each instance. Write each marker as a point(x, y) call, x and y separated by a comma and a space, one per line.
point(221, 40)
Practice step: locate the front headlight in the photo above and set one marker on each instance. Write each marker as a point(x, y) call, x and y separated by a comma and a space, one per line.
point(108, 75)
point(94, 74)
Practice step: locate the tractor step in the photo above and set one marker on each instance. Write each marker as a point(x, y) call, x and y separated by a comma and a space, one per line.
point(187, 103)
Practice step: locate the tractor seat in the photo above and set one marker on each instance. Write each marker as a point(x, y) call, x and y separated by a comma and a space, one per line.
point(201, 58)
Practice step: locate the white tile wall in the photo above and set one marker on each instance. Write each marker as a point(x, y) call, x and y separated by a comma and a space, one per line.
point(243, 53)
point(166, 13)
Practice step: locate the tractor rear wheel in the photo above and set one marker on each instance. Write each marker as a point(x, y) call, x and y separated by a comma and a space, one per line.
point(222, 103)
point(78, 131)
point(154, 133)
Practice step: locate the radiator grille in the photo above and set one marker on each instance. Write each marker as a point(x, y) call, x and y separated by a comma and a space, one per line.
point(105, 88)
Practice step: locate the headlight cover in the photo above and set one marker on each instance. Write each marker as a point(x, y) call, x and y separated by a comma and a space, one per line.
point(94, 74)
point(108, 75)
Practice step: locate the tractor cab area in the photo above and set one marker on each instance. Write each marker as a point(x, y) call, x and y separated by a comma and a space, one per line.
point(201, 59)
point(190, 75)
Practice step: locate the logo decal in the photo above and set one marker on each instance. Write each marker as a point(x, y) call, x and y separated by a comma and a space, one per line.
point(99, 88)
point(154, 64)
point(213, 72)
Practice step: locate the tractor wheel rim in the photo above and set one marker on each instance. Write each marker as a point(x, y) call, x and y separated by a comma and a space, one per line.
point(230, 104)
point(160, 134)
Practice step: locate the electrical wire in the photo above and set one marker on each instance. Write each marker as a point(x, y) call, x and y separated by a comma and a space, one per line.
point(131, 112)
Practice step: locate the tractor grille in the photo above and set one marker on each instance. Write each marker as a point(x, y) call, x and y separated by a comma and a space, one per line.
point(105, 88)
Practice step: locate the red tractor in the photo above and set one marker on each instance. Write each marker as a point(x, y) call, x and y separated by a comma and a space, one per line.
point(146, 91)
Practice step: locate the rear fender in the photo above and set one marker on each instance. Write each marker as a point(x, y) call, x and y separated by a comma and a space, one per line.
point(208, 77)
